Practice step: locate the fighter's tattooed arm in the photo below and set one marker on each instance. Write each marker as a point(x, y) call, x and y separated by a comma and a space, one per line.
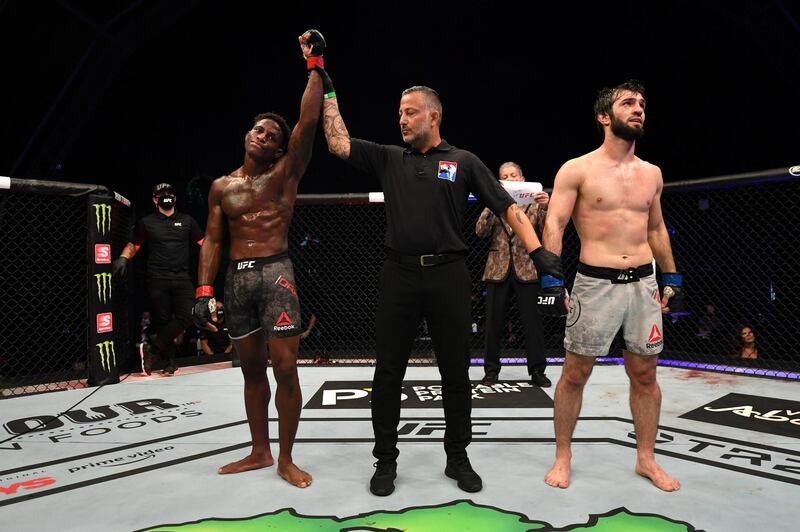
point(335, 131)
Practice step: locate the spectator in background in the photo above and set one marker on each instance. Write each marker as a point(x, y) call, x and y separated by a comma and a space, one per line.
point(747, 343)
point(168, 234)
point(509, 268)
point(708, 325)
point(216, 342)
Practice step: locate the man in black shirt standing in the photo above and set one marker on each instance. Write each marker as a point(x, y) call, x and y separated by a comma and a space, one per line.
point(168, 234)
point(425, 275)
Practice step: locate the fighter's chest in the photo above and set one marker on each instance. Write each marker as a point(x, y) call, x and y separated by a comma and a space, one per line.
point(244, 196)
point(618, 188)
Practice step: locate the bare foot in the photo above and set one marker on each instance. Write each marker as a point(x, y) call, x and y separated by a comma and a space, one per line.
point(294, 475)
point(251, 461)
point(558, 477)
point(657, 476)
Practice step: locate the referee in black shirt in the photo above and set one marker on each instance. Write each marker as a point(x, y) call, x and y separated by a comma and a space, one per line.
point(168, 234)
point(425, 275)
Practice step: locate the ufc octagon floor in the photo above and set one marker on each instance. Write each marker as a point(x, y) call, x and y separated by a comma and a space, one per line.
point(143, 454)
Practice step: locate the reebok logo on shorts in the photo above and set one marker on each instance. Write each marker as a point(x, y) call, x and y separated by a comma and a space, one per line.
point(284, 323)
point(655, 339)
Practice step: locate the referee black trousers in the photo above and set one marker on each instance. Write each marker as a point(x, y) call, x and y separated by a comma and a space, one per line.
point(498, 296)
point(441, 295)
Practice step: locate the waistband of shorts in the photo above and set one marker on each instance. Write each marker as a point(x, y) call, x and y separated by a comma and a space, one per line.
point(422, 261)
point(256, 263)
point(615, 275)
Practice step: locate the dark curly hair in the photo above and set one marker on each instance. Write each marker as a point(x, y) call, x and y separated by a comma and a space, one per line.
point(286, 131)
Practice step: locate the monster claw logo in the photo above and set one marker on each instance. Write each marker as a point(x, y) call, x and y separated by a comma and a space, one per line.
point(107, 355)
point(103, 286)
point(102, 216)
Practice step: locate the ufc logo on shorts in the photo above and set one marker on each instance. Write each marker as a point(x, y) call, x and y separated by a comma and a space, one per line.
point(245, 265)
point(547, 300)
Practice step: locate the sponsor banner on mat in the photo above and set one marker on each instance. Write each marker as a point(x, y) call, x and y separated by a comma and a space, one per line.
point(751, 412)
point(428, 394)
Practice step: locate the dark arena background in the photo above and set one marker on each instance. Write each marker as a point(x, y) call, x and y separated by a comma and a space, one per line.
point(102, 100)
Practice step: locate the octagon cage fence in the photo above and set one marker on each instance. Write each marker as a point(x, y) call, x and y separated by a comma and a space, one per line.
point(732, 238)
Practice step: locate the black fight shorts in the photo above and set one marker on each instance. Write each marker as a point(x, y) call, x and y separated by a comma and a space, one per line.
point(260, 294)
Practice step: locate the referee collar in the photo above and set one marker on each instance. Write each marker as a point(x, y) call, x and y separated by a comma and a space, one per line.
point(443, 146)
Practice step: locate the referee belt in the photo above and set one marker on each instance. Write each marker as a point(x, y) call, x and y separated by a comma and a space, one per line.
point(422, 261)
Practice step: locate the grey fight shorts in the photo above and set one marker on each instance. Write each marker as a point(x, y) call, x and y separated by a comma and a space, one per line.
point(605, 299)
point(260, 294)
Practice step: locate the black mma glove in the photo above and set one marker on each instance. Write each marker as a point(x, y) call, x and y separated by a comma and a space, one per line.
point(315, 61)
point(553, 295)
point(316, 43)
point(674, 297)
point(119, 268)
point(204, 306)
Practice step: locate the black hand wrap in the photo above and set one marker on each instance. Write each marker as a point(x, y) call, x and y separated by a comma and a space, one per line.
point(119, 268)
point(553, 295)
point(327, 84)
point(674, 293)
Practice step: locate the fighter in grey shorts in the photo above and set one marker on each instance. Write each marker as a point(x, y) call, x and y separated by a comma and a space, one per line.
point(605, 299)
point(260, 295)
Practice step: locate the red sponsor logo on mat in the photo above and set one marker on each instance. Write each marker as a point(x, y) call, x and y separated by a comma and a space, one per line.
point(26, 485)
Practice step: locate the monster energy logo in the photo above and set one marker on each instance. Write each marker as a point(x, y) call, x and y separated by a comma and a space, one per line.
point(102, 216)
point(103, 286)
point(107, 354)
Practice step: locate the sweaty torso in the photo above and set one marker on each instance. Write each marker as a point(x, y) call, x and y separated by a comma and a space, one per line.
point(259, 210)
point(612, 210)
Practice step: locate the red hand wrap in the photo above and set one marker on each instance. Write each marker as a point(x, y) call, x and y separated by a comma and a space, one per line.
point(314, 61)
point(204, 290)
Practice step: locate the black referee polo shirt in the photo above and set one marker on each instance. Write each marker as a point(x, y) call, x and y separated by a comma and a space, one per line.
point(426, 193)
point(168, 239)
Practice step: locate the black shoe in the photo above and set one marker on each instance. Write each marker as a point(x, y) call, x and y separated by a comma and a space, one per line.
point(382, 482)
point(489, 380)
point(170, 369)
point(538, 378)
point(461, 470)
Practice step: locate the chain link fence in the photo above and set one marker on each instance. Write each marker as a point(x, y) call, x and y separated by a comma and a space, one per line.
point(49, 285)
point(731, 238)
